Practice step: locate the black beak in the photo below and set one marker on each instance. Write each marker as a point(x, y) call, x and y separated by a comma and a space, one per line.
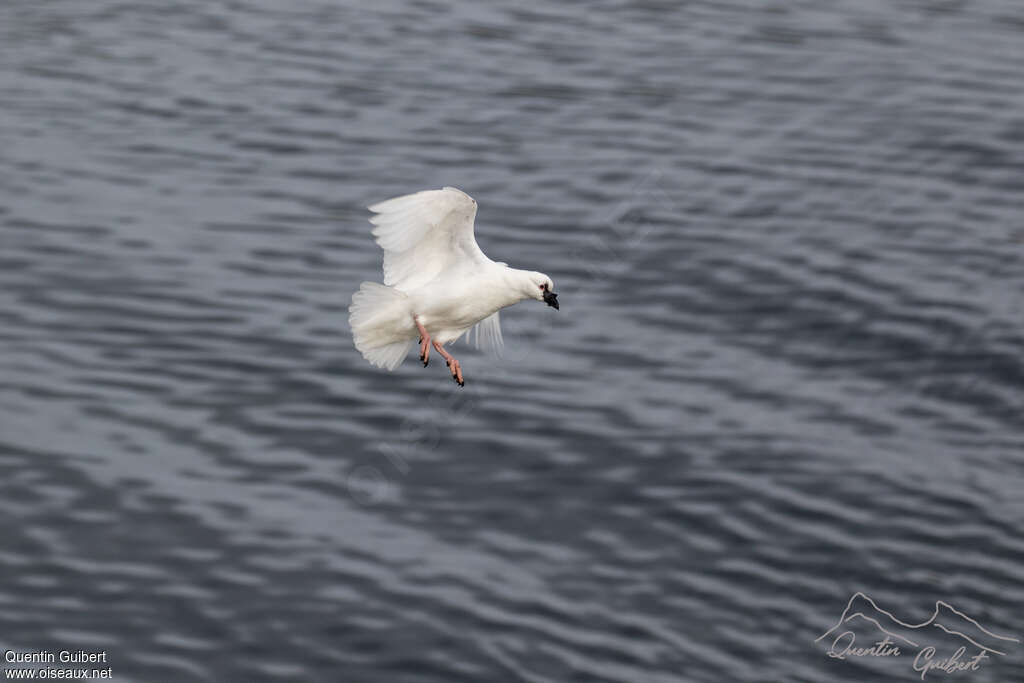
point(551, 299)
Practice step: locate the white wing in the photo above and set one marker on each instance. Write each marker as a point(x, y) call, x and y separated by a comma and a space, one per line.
point(423, 234)
point(487, 334)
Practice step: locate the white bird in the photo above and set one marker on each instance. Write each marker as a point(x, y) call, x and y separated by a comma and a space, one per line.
point(437, 282)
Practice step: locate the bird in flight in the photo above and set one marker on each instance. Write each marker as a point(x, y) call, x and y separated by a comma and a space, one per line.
point(438, 284)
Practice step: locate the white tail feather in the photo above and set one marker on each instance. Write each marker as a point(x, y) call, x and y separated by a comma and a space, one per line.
point(382, 325)
point(388, 357)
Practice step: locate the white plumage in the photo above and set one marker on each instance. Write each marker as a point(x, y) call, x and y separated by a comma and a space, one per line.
point(435, 273)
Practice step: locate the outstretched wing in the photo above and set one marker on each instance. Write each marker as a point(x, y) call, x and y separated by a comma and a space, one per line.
point(423, 234)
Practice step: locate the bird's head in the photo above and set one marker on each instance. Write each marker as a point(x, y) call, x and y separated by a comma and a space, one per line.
point(543, 289)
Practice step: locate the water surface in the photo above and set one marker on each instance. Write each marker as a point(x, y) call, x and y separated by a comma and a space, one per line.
point(787, 239)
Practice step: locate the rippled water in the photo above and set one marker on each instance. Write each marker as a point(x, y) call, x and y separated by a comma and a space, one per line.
point(787, 239)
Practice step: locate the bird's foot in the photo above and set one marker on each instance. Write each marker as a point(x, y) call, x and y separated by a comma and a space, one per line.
point(424, 342)
point(425, 351)
point(453, 364)
point(456, 369)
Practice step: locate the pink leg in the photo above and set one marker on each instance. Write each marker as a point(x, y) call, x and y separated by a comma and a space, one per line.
point(424, 342)
point(453, 364)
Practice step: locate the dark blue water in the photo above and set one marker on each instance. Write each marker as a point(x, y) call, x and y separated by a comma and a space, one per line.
point(788, 241)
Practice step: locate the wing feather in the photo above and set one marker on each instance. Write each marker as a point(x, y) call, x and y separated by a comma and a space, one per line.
point(486, 334)
point(423, 234)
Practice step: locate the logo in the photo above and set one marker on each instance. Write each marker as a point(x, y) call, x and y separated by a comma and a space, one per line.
point(949, 642)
